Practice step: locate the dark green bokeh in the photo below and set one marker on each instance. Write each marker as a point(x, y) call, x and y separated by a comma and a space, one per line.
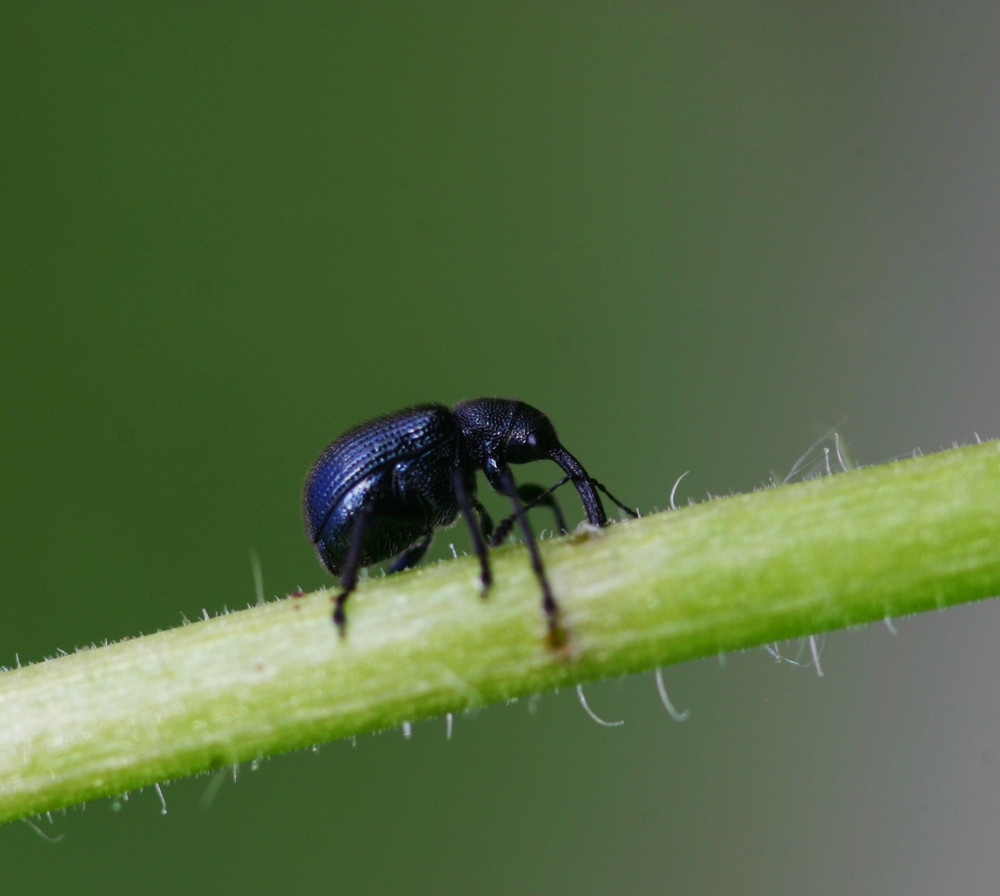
point(698, 237)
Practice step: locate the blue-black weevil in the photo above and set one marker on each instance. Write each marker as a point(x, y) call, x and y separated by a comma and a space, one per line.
point(382, 488)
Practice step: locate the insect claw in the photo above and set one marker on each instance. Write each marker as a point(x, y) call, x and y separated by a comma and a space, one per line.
point(339, 616)
point(557, 635)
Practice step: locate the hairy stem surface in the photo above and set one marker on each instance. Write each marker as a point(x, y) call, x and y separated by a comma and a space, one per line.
point(796, 560)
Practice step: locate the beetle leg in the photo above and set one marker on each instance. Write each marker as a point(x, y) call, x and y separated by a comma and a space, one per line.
point(485, 522)
point(532, 495)
point(459, 481)
point(349, 578)
point(557, 637)
point(410, 556)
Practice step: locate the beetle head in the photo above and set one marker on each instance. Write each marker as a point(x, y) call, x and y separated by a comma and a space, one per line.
point(531, 436)
point(501, 431)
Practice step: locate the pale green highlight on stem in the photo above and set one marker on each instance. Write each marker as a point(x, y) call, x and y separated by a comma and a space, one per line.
point(775, 564)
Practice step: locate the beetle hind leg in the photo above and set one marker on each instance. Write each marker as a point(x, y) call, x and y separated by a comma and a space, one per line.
point(349, 578)
point(410, 556)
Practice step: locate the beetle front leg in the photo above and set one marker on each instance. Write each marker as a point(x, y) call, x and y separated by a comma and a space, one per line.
point(557, 635)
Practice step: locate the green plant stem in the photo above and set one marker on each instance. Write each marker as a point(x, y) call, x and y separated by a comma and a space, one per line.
point(779, 563)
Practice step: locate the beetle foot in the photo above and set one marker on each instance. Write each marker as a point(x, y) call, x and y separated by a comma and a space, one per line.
point(485, 583)
point(339, 616)
point(557, 635)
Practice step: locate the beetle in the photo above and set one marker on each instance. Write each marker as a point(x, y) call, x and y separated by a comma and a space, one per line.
point(382, 488)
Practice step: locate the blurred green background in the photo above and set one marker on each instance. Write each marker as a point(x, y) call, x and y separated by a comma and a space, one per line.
point(697, 235)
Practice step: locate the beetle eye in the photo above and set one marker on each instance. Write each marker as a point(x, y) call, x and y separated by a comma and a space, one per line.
point(532, 440)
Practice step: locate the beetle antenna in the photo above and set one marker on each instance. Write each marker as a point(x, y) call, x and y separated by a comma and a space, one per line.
point(628, 510)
